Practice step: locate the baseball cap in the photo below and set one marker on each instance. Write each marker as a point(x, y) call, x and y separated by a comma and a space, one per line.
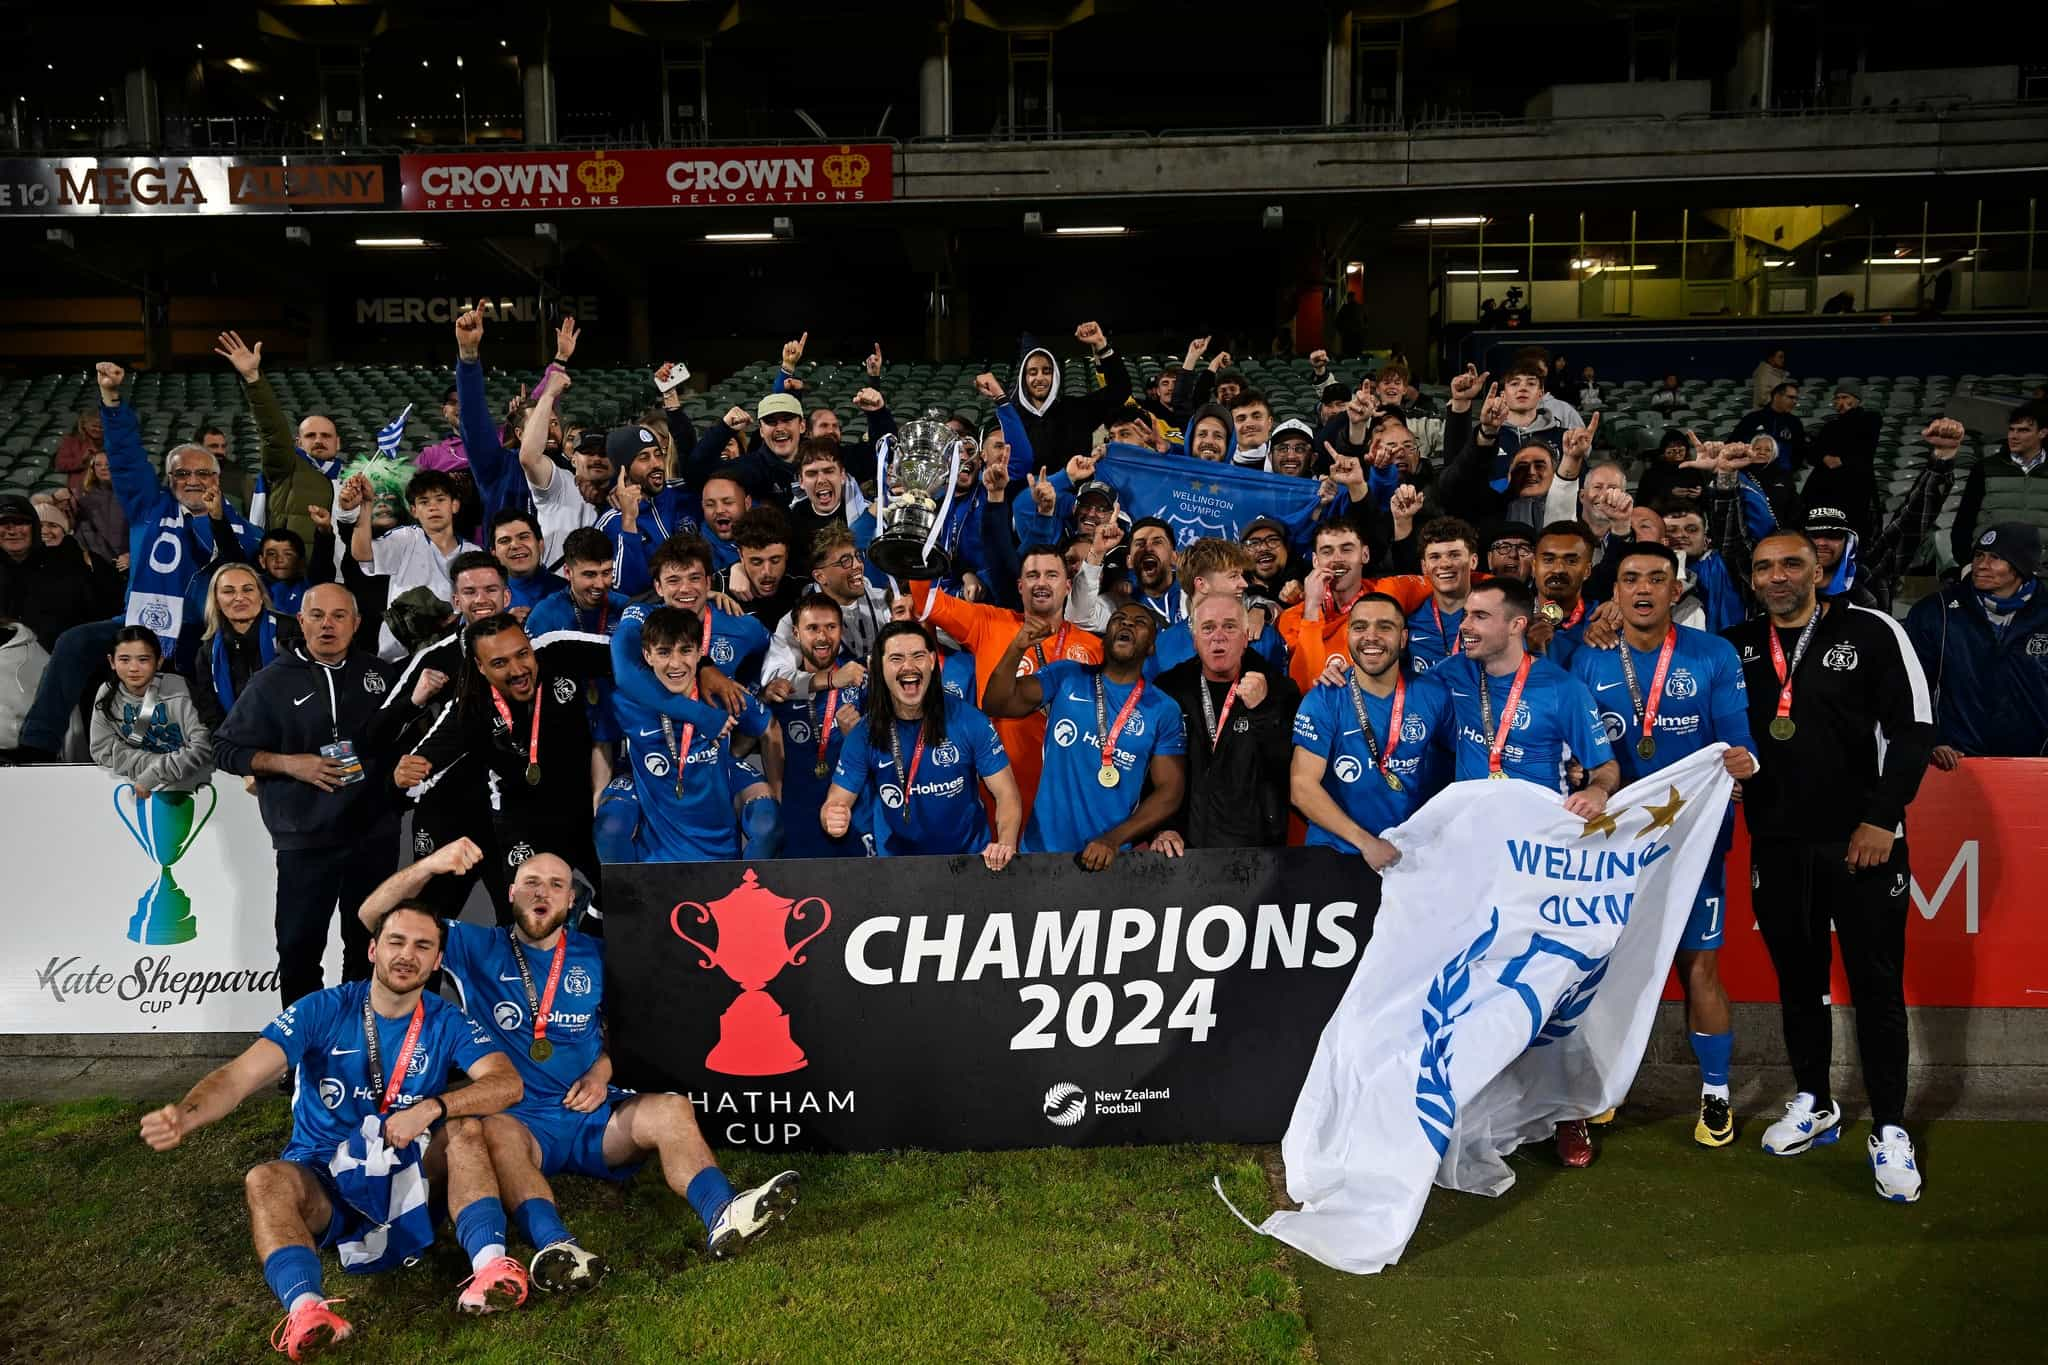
point(1831, 520)
point(1095, 488)
point(1258, 524)
point(778, 405)
point(2015, 542)
point(1509, 530)
point(591, 443)
point(1336, 391)
point(15, 507)
point(623, 444)
point(1295, 426)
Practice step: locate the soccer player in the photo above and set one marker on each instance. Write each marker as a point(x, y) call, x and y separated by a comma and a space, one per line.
point(910, 713)
point(537, 988)
point(1450, 553)
point(984, 631)
point(1564, 558)
point(1316, 630)
point(516, 543)
point(814, 730)
point(372, 1060)
point(1364, 760)
point(1153, 582)
point(688, 783)
point(1107, 733)
point(683, 579)
point(1664, 693)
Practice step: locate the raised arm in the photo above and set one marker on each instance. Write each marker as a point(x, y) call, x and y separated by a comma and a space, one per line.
point(1008, 695)
point(216, 1095)
point(273, 429)
point(408, 882)
point(533, 441)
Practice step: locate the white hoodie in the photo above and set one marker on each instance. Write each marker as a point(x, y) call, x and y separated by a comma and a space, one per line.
point(22, 661)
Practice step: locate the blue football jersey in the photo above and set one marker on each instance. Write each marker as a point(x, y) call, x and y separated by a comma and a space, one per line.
point(945, 814)
point(1072, 807)
point(1705, 699)
point(1326, 724)
point(1554, 717)
point(494, 995)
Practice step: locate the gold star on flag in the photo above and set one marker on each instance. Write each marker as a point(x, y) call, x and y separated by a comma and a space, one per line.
point(1661, 817)
point(1599, 824)
point(1215, 488)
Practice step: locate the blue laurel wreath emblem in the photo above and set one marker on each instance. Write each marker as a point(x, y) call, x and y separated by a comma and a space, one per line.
point(1564, 1020)
point(1436, 1108)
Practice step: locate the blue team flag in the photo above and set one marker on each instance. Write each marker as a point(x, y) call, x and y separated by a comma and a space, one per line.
point(391, 433)
point(1203, 498)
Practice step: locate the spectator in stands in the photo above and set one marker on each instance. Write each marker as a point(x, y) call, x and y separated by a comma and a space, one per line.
point(1722, 602)
point(1330, 401)
point(497, 477)
point(1769, 373)
point(145, 727)
point(76, 450)
point(1540, 483)
point(515, 541)
point(821, 503)
point(243, 633)
point(415, 556)
point(1983, 644)
point(560, 503)
point(22, 661)
point(53, 522)
point(49, 593)
point(1667, 477)
point(447, 453)
point(1511, 551)
point(1155, 585)
point(949, 742)
point(1252, 418)
point(1058, 427)
point(1292, 450)
point(760, 580)
point(1588, 398)
point(769, 471)
point(312, 729)
point(1604, 501)
point(1775, 420)
point(102, 525)
point(1275, 571)
point(2018, 469)
point(296, 474)
point(1240, 711)
point(286, 572)
point(1841, 453)
point(646, 509)
point(724, 501)
point(1667, 400)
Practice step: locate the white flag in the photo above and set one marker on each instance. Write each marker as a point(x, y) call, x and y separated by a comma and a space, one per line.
point(1510, 984)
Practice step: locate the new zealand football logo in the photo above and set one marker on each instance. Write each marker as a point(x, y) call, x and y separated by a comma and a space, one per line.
point(1065, 1105)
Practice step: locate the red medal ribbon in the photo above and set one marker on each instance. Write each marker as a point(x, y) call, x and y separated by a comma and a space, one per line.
point(412, 1038)
point(1784, 673)
point(505, 714)
point(1452, 644)
point(1657, 679)
point(1507, 718)
point(1223, 719)
point(1573, 619)
point(825, 730)
point(547, 995)
point(1394, 719)
point(910, 778)
point(1059, 646)
point(1130, 705)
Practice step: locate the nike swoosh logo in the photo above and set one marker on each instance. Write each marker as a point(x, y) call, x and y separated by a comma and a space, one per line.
point(301, 701)
point(1608, 687)
point(343, 1051)
point(1072, 697)
point(649, 734)
point(503, 977)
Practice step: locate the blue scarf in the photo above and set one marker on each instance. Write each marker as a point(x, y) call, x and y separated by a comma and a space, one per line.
point(168, 551)
point(223, 672)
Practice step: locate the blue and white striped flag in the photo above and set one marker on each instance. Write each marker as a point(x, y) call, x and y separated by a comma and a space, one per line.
point(391, 433)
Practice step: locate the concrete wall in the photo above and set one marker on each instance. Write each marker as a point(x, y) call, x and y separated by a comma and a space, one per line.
point(1624, 99)
point(1935, 86)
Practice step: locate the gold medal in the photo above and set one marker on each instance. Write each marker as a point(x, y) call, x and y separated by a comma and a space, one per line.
point(1783, 728)
point(541, 1050)
point(1550, 612)
point(1646, 747)
point(1106, 775)
point(1498, 777)
point(590, 694)
point(822, 770)
point(1393, 782)
point(533, 774)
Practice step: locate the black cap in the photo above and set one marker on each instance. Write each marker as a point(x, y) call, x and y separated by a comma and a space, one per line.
point(591, 443)
point(1828, 520)
point(15, 507)
point(623, 444)
point(1095, 488)
point(1336, 391)
point(1510, 530)
point(2015, 542)
point(1263, 524)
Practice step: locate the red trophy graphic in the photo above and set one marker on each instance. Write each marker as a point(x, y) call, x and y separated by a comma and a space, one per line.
point(753, 945)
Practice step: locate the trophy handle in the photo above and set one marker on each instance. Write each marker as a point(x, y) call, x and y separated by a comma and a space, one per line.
point(212, 804)
point(796, 950)
point(133, 828)
point(710, 958)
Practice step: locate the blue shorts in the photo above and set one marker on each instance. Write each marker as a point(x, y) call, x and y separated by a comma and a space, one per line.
point(1709, 917)
point(573, 1143)
point(739, 776)
point(619, 788)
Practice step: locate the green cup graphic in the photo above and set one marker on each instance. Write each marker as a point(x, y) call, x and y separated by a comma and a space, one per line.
point(165, 827)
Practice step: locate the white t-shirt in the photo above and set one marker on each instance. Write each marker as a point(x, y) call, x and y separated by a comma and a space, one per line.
point(409, 560)
point(561, 509)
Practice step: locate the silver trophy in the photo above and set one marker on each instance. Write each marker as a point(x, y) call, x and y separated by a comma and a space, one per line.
point(919, 465)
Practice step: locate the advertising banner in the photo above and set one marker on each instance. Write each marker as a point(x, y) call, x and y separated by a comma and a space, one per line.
point(137, 917)
point(163, 185)
point(1976, 934)
point(855, 1006)
point(688, 177)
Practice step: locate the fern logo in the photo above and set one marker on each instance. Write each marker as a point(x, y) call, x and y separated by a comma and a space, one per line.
point(1065, 1105)
point(1436, 1108)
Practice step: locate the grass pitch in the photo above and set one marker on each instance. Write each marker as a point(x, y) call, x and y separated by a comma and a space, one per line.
point(1660, 1253)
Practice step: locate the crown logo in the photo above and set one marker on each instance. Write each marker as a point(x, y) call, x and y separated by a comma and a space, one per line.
point(846, 168)
point(600, 176)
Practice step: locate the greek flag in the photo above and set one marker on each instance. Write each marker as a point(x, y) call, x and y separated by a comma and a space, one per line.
point(1510, 984)
point(391, 433)
point(387, 1189)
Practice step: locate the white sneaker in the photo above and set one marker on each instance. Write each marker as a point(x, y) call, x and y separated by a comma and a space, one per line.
point(1802, 1127)
point(752, 1212)
point(1891, 1157)
point(565, 1266)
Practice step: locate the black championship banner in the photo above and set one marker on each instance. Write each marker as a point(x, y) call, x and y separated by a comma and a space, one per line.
point(859, 1005)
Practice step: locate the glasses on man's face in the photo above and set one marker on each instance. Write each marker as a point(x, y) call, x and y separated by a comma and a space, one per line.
point(846, 562)
point(194, 475)
point(1265, 542)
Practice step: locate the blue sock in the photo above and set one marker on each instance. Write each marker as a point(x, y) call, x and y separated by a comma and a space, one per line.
point(1713, 1050)
point(480, 1227)
point(761, 823)
point(540, 1224)
point(709, 1193)
point(291, 1272)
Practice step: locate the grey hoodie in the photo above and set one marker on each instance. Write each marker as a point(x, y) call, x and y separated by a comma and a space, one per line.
point(158, 741)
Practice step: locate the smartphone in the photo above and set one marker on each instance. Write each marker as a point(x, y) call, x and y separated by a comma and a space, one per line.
point(678, 375)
